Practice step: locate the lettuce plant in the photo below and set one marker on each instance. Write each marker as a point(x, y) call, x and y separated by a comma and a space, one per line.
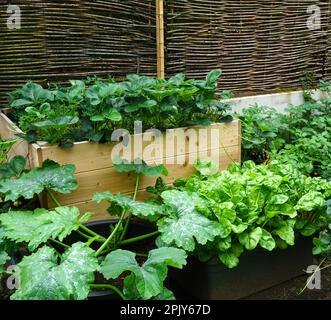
point(241, 208)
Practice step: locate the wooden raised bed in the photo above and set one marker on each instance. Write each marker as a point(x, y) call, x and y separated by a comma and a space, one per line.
point(95, 170)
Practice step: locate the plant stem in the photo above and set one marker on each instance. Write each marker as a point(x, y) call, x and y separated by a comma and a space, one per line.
point(92, 233)
point(51, 195)
point(105, 244)
point(145, 236)
point(128, 220)
point(60, 243)
point(108, 286)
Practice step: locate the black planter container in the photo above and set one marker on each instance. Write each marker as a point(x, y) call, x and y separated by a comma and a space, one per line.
point(135, 229)
point(258, 270)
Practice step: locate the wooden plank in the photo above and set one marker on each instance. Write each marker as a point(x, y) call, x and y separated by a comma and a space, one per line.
point(8, 130)
point(89, 156)
point(110, 180)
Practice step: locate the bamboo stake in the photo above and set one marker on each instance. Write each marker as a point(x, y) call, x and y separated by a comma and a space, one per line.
point(160, 38)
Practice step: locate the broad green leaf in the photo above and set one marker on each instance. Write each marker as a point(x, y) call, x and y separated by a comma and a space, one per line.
point(239, 228)
point(213, 76)
point(50, 176)
point(267, 241)
point(286, 233)
point(137, 208)
point(229, 259)
point(225, 210)
point(140, 167)
point(206, 167)
point(113, 115)
point(309, 230)
point(285, 209)
point(58, 122)
point(251, 239)
point(42, 277)
point(224, 244)
point(185, 224)
point(225, 227)
point(278, 199)
point(37, 227)
point(146, 279)
point(20, 103)
point(12, 168)
point(310, 201)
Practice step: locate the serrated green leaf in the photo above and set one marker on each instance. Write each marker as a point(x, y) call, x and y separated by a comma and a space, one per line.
point(50, 176)
point(147, 279)
point(41, 277)
point(185, 224)
point(37, 227)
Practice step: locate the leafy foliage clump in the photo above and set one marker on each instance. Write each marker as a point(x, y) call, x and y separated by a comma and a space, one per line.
point(245, 207)
point(92, 110)
point(301, 136)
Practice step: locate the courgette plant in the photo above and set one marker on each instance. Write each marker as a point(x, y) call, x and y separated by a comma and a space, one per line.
point(56, 270)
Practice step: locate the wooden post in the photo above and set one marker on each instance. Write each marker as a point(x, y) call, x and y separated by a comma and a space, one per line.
point(160, 38)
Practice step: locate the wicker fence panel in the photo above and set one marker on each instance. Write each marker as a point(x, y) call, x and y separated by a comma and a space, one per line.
point(62, 40)
point(260, 45)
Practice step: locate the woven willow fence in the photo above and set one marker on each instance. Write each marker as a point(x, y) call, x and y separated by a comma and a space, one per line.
point(261, 45)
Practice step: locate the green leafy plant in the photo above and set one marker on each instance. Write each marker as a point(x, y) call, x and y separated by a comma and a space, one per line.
point(242, 208)
point(55, 270)
point(94, 108)
point(302, 135)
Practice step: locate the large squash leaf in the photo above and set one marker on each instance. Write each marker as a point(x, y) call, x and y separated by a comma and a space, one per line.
point(36, 227)
point(184, 223)
point(146, 280)
point(41, 277)
point(50, 176)
point(137, 208)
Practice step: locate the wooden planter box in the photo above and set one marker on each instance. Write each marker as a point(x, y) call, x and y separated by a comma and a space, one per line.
point(95, 169)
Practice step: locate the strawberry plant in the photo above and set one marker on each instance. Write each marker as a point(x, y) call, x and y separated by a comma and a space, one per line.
point(93, 109)
point(301, 136)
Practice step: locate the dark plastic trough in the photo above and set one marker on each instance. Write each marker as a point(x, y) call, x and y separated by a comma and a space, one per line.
point(258, 270)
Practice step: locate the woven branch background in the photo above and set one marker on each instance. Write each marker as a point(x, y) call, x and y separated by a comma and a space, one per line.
point(261, 45)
